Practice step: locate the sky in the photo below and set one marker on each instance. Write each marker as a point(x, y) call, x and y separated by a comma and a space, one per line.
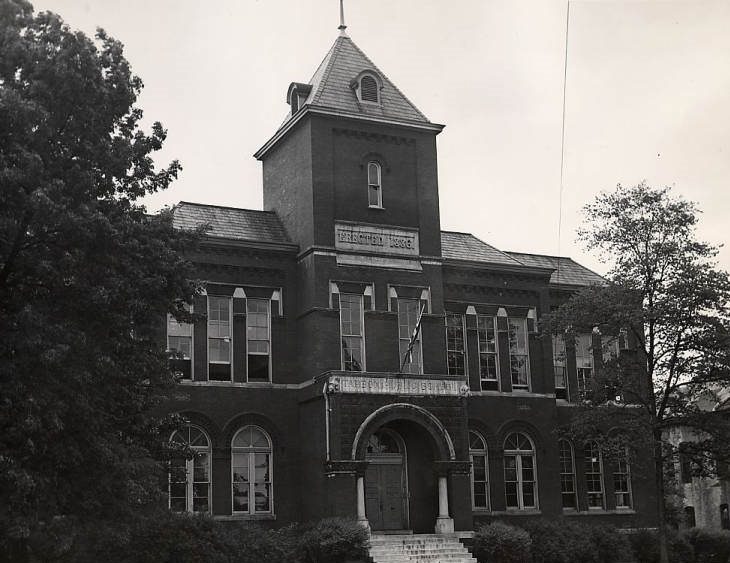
point(647, 98)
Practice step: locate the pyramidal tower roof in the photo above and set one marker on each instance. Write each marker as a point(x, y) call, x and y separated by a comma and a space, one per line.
point(333, 90)
point(332, 85)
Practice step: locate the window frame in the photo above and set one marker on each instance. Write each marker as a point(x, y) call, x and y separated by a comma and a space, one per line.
point(249, 340)
point(589, 468)
point(343, 297)
point(482, 452)
point(584, 363)
point(250, 456)
point(567, 475)
point(403, 341)
point(171, 355)
point(484, 341)
point(376, 186)
point(377, 82)
point(519, 455)
point(526, 355)
point(560, 361)
point(228, 339)
point(622, 462)
point(449, 351)
point(190, 470)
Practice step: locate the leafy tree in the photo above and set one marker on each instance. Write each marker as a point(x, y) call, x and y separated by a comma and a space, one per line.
point(666, 297)
point(86, 279)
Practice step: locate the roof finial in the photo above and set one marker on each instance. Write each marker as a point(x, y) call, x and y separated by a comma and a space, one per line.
point(342, 27)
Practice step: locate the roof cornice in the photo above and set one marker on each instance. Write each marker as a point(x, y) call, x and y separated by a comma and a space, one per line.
point(331, 112)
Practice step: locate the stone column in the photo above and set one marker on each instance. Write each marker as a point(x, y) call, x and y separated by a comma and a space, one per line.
point(361, 516)
point(444, 523)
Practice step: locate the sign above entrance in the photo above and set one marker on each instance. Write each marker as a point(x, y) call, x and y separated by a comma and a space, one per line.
point(381, 240)
point(397, 386)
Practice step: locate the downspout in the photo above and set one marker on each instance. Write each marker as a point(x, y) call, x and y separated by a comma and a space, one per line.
point(326, 420)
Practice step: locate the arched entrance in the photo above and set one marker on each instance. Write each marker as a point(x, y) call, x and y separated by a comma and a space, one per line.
point(400, 489)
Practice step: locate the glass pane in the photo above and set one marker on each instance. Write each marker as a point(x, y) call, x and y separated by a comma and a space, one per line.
point(262, 497)
point(258, 367)
point(200, 504)
point(200, 468)
point(475, 441)
point(373, 173)
point(261, 468)
point(240, 497)
point(374, 196)
point(177, 504)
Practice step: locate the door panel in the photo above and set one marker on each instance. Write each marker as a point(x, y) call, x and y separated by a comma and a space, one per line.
point(384, 496)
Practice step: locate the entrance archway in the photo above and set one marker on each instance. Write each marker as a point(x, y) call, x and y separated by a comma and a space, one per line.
point(403, 445)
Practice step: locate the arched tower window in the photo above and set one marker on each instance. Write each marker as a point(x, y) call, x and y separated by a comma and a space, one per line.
point(189, 480)
point(479, 471)
point(251, 463)
point(375, 188)
point(520, 472)
point(369, 91)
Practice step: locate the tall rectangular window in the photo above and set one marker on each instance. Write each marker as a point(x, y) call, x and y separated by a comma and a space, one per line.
point(455, 353)
point(488, 355)
point(567, 476)
point(180, 346)
point(351, 332)
point(408, 313)
point(258, 339)
point(219, 338)
point(584, 363)
point(559, 367)
point(622, 482)
point(593, 469)
point(518, 354)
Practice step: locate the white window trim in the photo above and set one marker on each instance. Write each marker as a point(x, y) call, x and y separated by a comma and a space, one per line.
point(463, 340)
point(248, 348)
point(362, 332)
point(526, 355)
point(230, 337)
point(379, 204)
point(480, 452)
point(630, 489)
point(572, 476)
point(495, 353)
point(190, 474)
point(602, 490)
point(192, 342)
point(518, 466)
point(252, 472)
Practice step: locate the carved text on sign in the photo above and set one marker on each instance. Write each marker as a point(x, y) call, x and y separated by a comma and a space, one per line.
point(375, 239)
point(397, 386)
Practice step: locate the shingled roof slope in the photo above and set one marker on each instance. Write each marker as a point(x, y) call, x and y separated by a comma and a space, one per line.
point(465, 246)
point(567, 271)
point(230, 222)
point(331, 85)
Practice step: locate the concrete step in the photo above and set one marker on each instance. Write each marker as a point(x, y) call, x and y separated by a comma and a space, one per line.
point(418, 548)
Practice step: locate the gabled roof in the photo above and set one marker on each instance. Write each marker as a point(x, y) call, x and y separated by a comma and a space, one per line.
point(332, 86)
point(231, 223)
point(465, 246)
point(567, 271)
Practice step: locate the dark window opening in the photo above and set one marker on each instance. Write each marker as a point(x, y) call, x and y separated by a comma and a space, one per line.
point(258, 367)
point(368, 89)
point(689, 516)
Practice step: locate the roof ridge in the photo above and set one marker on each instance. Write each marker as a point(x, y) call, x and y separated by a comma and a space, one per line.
point(332, 53)
point(226, 207)
point(375, 67)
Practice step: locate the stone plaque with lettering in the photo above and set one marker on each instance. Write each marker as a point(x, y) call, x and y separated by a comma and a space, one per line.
point(397, 385)
point(375, 239)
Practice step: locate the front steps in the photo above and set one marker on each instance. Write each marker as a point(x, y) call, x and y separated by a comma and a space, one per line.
point(418, 548)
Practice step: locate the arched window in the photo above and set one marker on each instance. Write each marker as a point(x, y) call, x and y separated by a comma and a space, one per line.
point(520, 479)
point(479, 471)
point(567, 476)
point(689, 517)
point(369, 91)
point(593, 468)
point(375, 188)
point(251, 471)
point(189, 484)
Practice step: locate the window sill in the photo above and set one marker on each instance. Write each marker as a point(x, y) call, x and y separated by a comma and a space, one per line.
point(517, 512)
point(376, 207)
point(241, 517)
point(598, 512)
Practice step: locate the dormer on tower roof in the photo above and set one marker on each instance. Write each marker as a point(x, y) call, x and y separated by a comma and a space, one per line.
point(348, 84)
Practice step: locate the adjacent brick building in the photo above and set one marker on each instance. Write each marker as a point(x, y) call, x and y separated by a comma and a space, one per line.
point(357, 360)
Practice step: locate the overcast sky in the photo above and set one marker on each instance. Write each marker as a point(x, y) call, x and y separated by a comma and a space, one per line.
point(648, 98)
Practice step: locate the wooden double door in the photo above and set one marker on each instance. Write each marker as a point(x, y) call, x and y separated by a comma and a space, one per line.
point(386, 485)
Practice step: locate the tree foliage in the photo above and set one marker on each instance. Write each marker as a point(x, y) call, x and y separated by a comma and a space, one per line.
point(86, 279)
point(667, 299)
